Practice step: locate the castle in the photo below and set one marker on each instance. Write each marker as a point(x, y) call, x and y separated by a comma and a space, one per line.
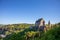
point(41, 26)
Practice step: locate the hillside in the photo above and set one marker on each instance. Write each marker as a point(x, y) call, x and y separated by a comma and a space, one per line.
point(52, 34)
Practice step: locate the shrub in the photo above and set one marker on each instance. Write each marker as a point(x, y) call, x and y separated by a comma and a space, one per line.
point(53, 34)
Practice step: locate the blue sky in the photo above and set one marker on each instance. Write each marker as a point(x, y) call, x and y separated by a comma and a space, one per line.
point(28, 11)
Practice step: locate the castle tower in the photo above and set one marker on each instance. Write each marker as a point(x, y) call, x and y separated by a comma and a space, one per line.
point(49, 25)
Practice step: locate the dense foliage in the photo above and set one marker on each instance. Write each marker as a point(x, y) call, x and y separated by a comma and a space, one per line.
point(31, 34)
point(8, 29)
point(52, 34)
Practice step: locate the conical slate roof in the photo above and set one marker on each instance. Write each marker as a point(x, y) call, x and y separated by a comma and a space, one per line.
point(39, 20)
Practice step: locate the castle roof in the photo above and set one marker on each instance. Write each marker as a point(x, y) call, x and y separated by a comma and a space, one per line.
point(39, 20)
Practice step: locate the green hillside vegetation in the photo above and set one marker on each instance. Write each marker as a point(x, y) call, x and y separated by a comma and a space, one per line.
point(27, 34)
point(14, 28)
point(53, 34)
